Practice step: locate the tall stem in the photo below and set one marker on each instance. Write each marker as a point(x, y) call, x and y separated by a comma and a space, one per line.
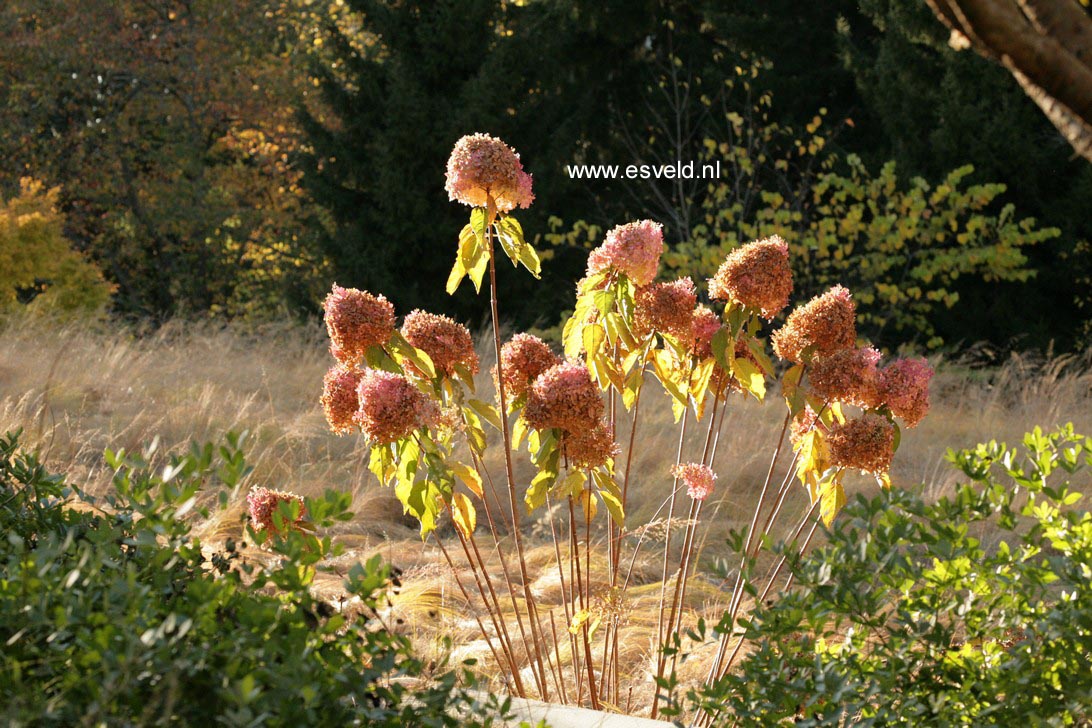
point(532, 612)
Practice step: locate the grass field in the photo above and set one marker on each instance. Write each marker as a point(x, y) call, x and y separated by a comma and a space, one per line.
point(77, 389)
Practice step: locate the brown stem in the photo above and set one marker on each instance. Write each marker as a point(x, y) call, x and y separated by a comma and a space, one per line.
point(532, 612)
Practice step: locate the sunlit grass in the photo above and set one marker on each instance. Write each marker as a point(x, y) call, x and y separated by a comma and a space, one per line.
point(77, 389)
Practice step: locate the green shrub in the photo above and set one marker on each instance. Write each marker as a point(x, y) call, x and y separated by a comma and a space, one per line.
point(973, 610)
point(111, 614)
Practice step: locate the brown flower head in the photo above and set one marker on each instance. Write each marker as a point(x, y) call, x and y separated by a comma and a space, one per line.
point(391, 407)
point(590, 448)
point(482, 166)
point(564, 396)
point(826, 323)
point(906, 389)
point(523, 358)
point(339, 401)
point(446, 341)
point(866, 443)
point(756, 275)
point(850, 376)
point(356, 321)
point(667, 308)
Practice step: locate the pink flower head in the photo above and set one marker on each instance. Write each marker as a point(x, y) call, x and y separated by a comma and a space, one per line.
point(906, 389)
point(633, 249)
point(866, 443)
point(704, 325)
point(523, 358)
point(667, 308)
point(339, 400)
point(827, 323)
point(263, 503)
point(564, 396)
point(699, 479)
point(849, 376)
point(756, 275)
point(482, 166)
point(446, 341)
point(391, 407)
point(590, 448)
point(356, 321)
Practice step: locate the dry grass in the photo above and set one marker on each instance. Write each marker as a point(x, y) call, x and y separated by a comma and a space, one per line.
point(77, 390)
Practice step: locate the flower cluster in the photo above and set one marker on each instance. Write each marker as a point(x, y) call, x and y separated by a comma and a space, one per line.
point(704, 324)
point(356, 321)
point(391, 407)
point(523, 358)
point(850, 376)
point(633, 249)
point(565, 397)
point(339, 399)
point(590, 448)
point(699, 479)
point(866, 443)
point(825, 324)
point(446, 341)
point(756, 275)
point(667, 308)
point(263, 503)
point(483, 167)
point(906, 389)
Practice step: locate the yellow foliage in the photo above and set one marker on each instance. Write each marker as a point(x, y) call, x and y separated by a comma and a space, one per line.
point(38, 267)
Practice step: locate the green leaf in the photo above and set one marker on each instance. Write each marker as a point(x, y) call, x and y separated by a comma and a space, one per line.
point(720, 344)
point(405, 351)
point(611, 495)
point(540, 486)
point(487, 411)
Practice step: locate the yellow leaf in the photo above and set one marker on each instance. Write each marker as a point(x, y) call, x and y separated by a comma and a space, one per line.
point(750, 377)
point(832, 497)
point(463, 514)
point(469, 476)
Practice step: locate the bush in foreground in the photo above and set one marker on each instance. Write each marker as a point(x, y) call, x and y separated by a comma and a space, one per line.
point(113, 615)
point(973, 610)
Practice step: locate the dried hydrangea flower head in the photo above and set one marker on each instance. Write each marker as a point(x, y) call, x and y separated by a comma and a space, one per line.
point(446, 341)
point(866, 443)
point(756, 275)
point(850, 376)
point(633, 249)
point(699, 479)
point(827, 323)
point(590, 448)
point(339, 400)
point(391, 407)
point(565, 397)
point(804, 422)
point(906, 389)
point(356, 321)
point(263, 503)
point(704, 324)
point(523, 358)
point(667, 308)
point(482, 166)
